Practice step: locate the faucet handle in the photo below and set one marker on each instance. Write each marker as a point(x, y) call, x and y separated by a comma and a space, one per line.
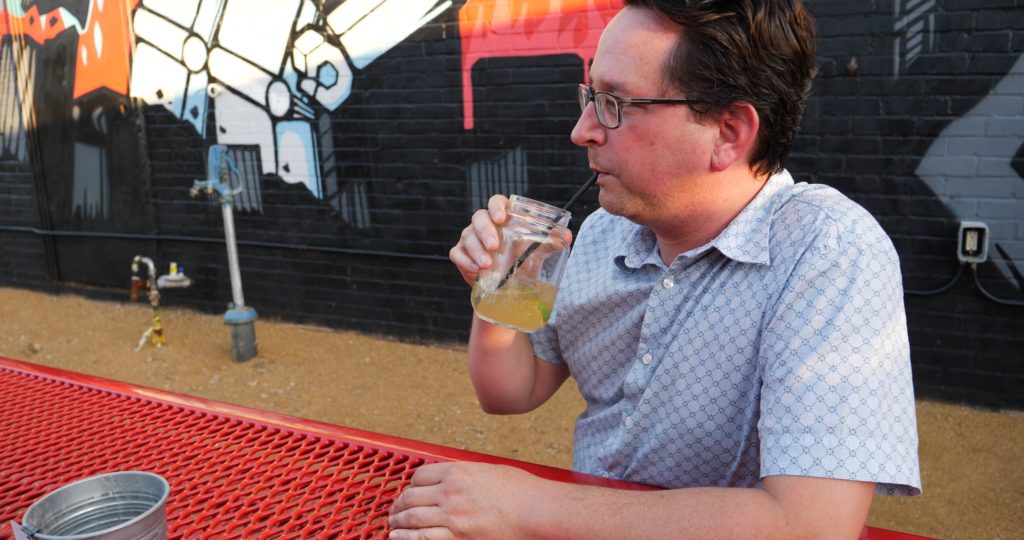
point(199, 186)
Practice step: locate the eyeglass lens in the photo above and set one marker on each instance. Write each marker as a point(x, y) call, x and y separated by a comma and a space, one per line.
point(606, 106)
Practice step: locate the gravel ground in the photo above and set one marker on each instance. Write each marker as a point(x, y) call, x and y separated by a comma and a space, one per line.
point(970, 458)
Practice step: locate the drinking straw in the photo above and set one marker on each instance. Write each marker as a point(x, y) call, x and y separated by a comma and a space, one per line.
point(533, 247)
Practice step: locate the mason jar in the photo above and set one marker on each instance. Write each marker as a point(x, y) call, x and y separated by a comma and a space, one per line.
point(519, 289)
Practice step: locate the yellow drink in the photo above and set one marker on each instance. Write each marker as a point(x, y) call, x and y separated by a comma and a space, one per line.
point(520, 305)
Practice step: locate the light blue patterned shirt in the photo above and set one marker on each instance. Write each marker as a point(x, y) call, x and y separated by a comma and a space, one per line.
point(778, 348)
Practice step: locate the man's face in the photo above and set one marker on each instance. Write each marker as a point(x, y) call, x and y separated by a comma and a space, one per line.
point(655, 166)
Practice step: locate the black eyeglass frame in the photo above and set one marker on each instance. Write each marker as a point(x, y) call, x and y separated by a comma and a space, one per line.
point(588, 95)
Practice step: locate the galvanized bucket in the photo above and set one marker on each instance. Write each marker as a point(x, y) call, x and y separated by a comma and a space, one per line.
point(126, 505)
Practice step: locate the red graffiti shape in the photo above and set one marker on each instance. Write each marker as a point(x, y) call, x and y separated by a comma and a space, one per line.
point(508, 28)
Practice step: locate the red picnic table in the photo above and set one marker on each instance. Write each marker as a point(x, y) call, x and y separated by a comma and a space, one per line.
point(235, 472)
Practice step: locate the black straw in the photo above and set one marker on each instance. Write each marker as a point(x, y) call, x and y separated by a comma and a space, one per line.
point(579, 192)
point(533, 247)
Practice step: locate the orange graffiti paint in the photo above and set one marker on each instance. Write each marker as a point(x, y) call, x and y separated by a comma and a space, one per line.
point(508, 28)
point(103, 58)
point(37, 28)
point(104, 49)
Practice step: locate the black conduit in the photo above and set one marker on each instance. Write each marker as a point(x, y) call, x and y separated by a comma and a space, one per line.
point(977, 283)
point(205, 240)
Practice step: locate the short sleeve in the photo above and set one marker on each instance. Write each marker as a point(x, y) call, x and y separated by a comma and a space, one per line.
point(545, 340)
point(837, 397)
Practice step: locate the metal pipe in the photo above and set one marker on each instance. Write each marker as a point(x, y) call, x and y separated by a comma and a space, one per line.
point(238, 316)
point(233, 270)
point(149, 264)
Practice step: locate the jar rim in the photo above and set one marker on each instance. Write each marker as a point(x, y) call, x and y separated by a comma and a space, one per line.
point(540, 210)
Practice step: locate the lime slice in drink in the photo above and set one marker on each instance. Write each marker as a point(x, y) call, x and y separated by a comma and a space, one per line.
point(545, 311)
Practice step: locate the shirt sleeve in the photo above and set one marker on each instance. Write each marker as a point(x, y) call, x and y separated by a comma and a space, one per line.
point(545, 341)
point(837, 396)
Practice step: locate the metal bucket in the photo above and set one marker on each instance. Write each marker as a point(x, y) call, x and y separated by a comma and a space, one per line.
point(125, 505)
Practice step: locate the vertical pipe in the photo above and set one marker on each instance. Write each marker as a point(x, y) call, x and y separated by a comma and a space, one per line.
point(229, 237)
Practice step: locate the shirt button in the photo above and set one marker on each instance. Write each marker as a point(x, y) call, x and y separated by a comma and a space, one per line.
point(646, 359)
point(668, 282)
point(628, 421)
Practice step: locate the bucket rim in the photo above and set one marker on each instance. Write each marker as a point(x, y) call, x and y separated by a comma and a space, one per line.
point(159, 504)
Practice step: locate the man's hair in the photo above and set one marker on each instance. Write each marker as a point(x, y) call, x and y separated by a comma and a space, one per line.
point(758, 51)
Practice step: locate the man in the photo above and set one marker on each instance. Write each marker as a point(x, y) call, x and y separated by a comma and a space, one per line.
point(739, 339)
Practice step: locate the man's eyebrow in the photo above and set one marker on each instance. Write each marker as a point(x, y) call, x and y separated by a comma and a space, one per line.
point(607, 85)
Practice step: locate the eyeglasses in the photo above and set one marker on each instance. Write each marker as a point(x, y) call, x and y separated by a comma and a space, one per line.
point(608, 106)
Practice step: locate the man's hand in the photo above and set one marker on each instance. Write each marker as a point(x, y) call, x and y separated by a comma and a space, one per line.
point(480, 239)
point(461, 500)
point(475, 500)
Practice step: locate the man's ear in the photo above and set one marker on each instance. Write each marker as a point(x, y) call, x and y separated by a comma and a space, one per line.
point(737, 134)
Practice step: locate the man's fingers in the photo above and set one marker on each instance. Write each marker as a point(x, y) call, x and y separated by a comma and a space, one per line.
point(479, 240)
point(430, 474)
point(417, 496)
point(485, 229)
point(462, 254)
point(464, 264)
point(417, 517)
point(475, 245)
point(496, 207)
point(433, 533)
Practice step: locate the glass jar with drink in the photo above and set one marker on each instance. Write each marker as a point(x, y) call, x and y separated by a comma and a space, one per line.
point(519, 289)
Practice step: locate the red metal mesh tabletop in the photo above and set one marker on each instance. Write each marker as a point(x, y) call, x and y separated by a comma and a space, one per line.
point(234, 472)
point(229, 477)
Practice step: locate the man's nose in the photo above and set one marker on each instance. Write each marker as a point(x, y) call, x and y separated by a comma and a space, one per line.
point(588, 131)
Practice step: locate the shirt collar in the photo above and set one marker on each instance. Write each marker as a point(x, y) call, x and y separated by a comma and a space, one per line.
point(745, 239)
point(640, 247)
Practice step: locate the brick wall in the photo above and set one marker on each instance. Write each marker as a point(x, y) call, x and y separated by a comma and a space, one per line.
point(917, 114)
point(22, 255)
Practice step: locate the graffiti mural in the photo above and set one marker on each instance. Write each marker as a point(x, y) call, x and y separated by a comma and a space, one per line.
point(265, 64)
point(270, 72)
point(915, 32)
point(494, 28)
point(521, 28)
point(103, 56)
point(263, 95)
point(970, 166)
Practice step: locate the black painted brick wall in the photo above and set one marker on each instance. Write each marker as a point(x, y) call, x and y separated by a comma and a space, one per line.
point(22, 256)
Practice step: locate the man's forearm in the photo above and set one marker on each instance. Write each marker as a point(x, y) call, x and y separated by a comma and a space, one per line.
point(477, 500)
point(596, 513)
point(503, 369)
point(830, 509)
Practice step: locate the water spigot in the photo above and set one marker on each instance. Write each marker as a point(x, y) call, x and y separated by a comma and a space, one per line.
point(138, 284)
point(217, 175)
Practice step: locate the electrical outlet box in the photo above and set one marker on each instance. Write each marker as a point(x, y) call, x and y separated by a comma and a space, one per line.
point(972, 243)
